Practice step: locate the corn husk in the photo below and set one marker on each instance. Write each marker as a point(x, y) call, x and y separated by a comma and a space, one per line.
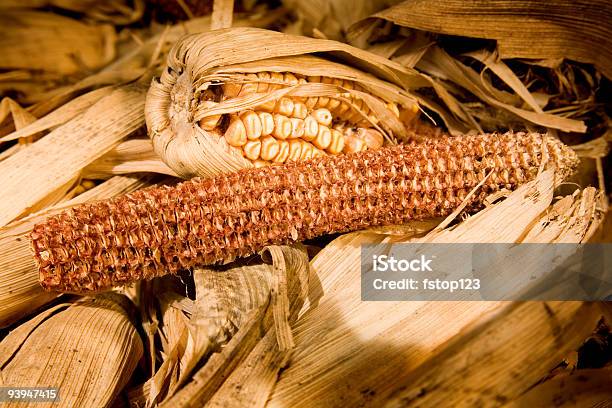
point(62, 348)
point(55, 44)
point(372, 357)
point(234, 304)
point(189, 150)
point(534, 30)
point(113, 11)
point(20, 292)
point(66, 151)
point(490, 377)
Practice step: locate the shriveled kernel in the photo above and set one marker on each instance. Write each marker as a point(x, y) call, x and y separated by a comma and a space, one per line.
point(209, 122)
point(372, 137)
point(295, 150)
point(260, 163)
point(236, 135)
point(311, 128)
point(267, 123)
point(252, 124)
point(323, 116)
point(283, 152)
point(269, 148)
point(290, 79)
point(297, 128)
point(323, 139)
point(282, 127)
point(337, 143)
point(353, 144)
point(252, 149)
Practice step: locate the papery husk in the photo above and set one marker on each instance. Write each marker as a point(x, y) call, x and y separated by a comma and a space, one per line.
point(373, 356)
point(260, 302)
point(199, 60)
point(53, 43)
point(20, 291)
point(112, 11)
point(88, 350)
point(541, 30)
point(66, 150)
point(541, 335)
point(581, 388)
point(131, 156)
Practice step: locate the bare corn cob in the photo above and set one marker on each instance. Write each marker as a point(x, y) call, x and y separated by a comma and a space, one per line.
point(157, 231)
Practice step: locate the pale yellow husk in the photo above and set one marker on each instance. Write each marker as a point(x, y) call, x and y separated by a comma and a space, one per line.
point(87, 349)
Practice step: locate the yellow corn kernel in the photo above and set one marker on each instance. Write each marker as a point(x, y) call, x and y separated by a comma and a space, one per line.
point(290, 79)
point(278, 80)
point(393, 108)
point(318, 152)
point(264, 84)
point(311, 102)
point(252, 124)
point(267, 123)
point(337, 142)
point(307, 151)
point(295, 149)
point(269, 148)
point(252, 149)
point(297, 128)
point(236, 135)
point(300, 110)
point(282, 127)
point(283, 152)
point(323, 139)
point(268, 106)
point(323, 116)
point(311, 128)
point(284, 106)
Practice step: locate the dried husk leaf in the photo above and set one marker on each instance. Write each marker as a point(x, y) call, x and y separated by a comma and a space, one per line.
point(260, 348)
point(65, 350)
point(54, 43)
point(20, 291)
point(582, 388)
point(112, 11)
point(377, 355)
point(540, 30)
point(199, 60)
point(542, 335)
point(66, 150)
point(131, 156)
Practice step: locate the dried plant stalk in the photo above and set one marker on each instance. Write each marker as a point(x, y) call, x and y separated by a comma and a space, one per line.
point(217, 110)
point(157, 231)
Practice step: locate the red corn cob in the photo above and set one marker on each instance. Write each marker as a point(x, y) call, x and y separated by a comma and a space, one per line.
point(157, 231)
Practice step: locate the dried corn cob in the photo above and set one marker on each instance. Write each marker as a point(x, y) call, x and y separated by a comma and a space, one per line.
point(157, 231)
